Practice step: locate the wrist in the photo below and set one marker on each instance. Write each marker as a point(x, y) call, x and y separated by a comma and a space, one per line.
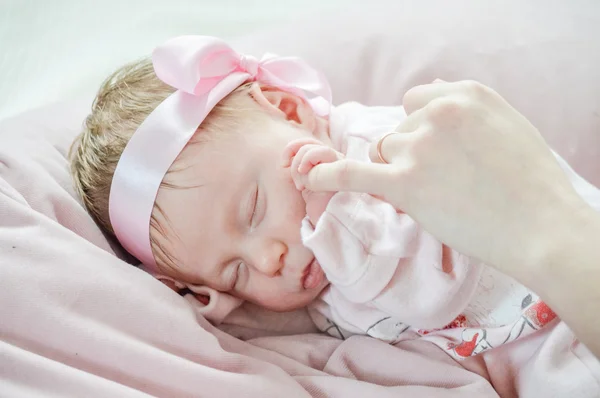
point(564, 251)
point(568, 275)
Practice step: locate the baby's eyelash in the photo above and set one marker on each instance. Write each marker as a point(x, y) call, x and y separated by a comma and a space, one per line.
point(254, 205)
point(236, 275)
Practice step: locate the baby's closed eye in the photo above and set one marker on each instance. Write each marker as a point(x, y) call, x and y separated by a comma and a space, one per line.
point(235, 274)
point(255, 207)
point(259, 208)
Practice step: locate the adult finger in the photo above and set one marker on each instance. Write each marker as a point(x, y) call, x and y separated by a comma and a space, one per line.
point(351, 175)
point(419, 96)
point(416, 117)
point(394, 145)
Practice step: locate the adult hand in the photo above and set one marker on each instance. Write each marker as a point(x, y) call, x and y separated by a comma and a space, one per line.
point(477, 174)
point(469, 168)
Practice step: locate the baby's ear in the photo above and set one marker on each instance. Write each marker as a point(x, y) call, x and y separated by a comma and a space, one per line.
point(181, 288)
point(281, 103)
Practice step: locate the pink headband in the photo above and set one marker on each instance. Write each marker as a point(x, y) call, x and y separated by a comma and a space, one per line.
point(204, 70)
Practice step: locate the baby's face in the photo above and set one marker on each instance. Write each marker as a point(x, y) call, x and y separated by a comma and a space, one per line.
point(237, 228)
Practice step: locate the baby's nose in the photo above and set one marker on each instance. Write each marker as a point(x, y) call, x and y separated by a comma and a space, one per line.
point(269, 259)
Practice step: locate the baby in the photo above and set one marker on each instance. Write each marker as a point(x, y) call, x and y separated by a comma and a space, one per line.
point(195, 163)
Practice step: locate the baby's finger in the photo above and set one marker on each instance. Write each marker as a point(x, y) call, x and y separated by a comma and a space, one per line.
point(316, 156)
point(290, 151)
point(296, 176)
point(301, 154)
point(292, 148)
point(288, 154)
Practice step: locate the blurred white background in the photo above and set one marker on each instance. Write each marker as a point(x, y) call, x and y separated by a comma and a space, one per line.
point(56, 49)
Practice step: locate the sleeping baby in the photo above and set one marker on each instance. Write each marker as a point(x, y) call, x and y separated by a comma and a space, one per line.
point(194, 161)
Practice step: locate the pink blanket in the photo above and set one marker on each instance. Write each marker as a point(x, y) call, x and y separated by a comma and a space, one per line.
point(77, 320)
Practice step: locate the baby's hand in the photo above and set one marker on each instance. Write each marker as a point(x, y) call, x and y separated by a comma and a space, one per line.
point(302, 155)
point(305, 153)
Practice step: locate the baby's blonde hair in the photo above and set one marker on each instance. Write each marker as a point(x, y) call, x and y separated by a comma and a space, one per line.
point(124, 100)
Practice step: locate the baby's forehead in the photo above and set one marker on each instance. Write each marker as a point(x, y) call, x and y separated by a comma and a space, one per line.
point(204, 144)
point(229, 145)
point(195, 159)
point(205, 173)
point(199, 146)
point(224, 155)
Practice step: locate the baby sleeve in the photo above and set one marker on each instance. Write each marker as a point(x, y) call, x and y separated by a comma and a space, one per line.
point(377, 257)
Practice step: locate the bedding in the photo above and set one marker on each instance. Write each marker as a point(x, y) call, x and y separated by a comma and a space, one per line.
point(76, 319)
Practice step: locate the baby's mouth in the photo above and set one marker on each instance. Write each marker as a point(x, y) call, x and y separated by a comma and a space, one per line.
point(313, 275)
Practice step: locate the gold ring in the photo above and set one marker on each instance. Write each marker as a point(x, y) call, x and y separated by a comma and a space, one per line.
point(379, 154)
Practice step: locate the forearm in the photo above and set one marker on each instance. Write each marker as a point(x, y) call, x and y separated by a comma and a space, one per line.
point(567, 276)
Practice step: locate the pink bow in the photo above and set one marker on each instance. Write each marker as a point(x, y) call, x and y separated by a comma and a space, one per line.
point(196, 64)
point(204, 70)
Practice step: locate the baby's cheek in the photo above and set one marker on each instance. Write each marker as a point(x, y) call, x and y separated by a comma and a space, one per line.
point(295, 204)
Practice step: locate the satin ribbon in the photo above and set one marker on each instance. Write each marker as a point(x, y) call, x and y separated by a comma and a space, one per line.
point(204, 70)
